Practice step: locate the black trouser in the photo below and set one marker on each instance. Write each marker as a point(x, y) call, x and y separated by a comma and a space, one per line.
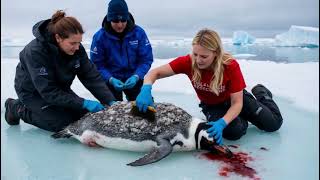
point(261, 112)
point(131, 94)
point(50, 118)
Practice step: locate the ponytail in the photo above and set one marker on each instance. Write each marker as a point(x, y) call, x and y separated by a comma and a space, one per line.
point(64, 26)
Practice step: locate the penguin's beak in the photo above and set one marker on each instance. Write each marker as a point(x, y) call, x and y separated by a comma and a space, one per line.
point(223, 149)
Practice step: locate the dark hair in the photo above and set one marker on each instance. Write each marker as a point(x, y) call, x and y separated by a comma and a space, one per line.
point(64, 26)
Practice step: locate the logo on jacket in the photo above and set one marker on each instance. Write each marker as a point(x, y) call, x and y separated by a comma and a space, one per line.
point(134, 42)
point(147, 42)
point(43, 71)
point(77, 65)
point(94, 50)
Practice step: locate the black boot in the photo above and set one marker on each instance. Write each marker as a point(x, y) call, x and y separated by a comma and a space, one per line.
point(260, 91)
point(267, 116)
point(12, 108)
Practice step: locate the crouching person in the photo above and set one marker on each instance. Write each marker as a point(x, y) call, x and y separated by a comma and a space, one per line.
point(48, 65)
point(218, 81)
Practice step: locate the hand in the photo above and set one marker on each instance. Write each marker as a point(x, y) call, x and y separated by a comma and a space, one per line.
point(131, 82)
point(144, 99)
point(116, 83)
point(92, 106)
point(216, 129)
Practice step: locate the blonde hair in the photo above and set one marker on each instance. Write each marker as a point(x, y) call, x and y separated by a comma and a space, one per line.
point(210, 40)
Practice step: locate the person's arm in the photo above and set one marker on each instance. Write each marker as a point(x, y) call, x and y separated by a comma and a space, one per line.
point(236, 87)
point(145, 56)
point(92, 80)
point(98, 56)
point(217, 127)
point(235, 108)
point(144, 60)
point(144, 99)
point(37, 63)
point(158, 73)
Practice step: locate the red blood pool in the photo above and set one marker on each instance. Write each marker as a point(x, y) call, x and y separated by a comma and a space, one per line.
point(237, 164)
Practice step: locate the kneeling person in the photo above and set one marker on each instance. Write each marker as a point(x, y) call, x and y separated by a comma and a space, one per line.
point(48, 65)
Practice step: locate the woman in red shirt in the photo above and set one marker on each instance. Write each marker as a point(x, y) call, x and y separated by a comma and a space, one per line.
point(219, 84)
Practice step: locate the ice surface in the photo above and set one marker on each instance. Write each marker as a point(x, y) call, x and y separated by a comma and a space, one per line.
point(303, 36)
point(242, 38)
point(291, 153)
point(30, 153)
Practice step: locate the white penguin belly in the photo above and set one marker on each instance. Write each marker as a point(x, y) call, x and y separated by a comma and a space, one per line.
point(116, 142)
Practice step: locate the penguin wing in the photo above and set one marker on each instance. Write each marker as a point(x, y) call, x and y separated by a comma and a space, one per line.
point(156, 154)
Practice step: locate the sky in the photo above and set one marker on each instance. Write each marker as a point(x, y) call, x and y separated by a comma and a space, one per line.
point(167, 17)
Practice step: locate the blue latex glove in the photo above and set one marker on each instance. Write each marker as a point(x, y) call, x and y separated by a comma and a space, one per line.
point(131, 82)
point(92, 106)
point(144, 99)
point(116, 83)
point(216, 129)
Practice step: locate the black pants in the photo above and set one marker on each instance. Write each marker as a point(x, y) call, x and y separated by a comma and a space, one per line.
point(131, 94)
point(51, 118)
point(263, 113)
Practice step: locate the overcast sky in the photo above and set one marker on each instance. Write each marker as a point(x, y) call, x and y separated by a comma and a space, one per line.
point(261, 18)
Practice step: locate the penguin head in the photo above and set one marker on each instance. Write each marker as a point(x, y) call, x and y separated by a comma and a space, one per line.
point(204, 142)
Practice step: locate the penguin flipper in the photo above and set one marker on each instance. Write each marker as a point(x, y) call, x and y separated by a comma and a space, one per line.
point(156, 154)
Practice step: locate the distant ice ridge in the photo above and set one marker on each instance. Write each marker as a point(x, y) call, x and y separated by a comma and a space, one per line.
point(242, 38)
point(243, 55)
point(13, 42)
point(171, 42)
point(302, 36)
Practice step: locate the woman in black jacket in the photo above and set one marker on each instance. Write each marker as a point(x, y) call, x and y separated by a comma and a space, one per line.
point(47, 68)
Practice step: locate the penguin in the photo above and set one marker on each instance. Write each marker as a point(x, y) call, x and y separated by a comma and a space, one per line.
point(115, 127)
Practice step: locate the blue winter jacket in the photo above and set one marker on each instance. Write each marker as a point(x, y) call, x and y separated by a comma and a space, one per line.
point(121, 58)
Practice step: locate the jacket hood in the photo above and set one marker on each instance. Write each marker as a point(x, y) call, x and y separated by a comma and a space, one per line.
point(40, 31)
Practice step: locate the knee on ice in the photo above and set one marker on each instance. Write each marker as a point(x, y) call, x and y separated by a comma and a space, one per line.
point(274, 126)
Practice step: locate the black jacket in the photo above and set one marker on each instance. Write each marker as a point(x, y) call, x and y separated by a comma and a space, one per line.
point(44, 71)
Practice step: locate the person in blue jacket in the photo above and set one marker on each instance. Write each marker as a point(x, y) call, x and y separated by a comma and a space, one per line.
point(121, 51)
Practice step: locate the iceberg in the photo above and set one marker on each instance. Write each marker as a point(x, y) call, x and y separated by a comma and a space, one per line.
point(242, 38)
point(301, 36)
